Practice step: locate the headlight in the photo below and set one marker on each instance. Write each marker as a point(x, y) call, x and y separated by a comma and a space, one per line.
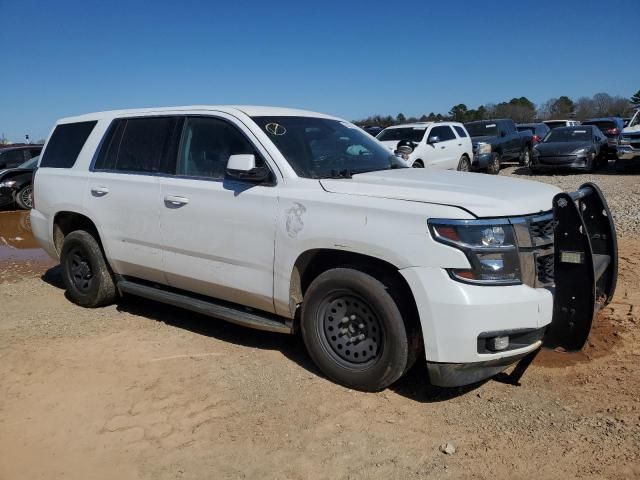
point(8, 183)
point(490, 247)
point(580, 151)
point(624, 141)
point(484, 148)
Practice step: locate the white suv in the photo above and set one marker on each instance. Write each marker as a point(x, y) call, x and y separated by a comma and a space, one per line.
point(561, 123)
point(287, 220)
point(443, 145)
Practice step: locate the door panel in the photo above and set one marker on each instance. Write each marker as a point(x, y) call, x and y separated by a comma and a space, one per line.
point(125, 209)
point(217, 233)
point(218, 239)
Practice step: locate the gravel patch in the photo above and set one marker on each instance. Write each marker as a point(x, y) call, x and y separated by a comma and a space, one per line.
point(621, 189)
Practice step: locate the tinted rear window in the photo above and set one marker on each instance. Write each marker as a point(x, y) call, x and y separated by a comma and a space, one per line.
point(65, 144)
point(460, 131)
point(135, 145)
point(413, 134)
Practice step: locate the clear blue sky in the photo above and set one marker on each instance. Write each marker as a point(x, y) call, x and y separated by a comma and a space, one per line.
point(348, 58)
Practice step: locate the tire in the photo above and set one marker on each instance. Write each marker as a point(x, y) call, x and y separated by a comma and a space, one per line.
point(355, 305)
point(464, 165)
point(85, 273)
point(418, 164)
point(494, 165)
point(525, 157)
point(24, 197)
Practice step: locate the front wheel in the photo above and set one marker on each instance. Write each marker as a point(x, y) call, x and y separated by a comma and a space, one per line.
point(418, 164)
point(494, 164)
point(24, 197)
point(354, 331)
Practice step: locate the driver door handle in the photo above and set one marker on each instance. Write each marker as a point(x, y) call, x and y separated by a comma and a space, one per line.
point(99, 191)
point(175, 201)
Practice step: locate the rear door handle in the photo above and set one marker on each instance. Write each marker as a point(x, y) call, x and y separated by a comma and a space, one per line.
point(175, 201)
point(99, 191)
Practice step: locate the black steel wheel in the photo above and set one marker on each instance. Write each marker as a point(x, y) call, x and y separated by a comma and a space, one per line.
point(85, 273)
point(354, 331)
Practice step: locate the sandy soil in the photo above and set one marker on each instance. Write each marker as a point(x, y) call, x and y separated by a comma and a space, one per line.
point(140, 390)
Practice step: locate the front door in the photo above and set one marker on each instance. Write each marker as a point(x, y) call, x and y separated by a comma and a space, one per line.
point(217, 233)
point(442, 154)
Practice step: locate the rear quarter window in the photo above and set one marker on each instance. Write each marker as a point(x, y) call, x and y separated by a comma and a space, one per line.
point(65, 144)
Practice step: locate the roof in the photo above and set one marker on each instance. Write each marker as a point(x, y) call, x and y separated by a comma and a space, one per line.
point(250, 110)
point(423, 124)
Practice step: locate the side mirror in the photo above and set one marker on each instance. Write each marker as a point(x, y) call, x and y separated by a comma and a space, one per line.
point(434, 139)
point(503, 134)
point(243, 167)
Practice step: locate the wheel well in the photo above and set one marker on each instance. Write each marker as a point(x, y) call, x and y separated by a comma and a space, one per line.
point(66, 222)
point(418, 160)
point(312, 263)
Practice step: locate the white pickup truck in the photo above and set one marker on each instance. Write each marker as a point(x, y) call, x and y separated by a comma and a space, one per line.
point(293, 221)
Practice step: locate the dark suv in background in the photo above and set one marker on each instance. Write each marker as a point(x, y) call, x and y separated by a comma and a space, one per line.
point(611, 127)
point(12, 156)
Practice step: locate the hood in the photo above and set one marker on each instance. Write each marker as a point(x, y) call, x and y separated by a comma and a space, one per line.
point(10, 172)
point(390, 144)
point(484, 138)
point(560, 148)
point(635, 129)
point(482, 195)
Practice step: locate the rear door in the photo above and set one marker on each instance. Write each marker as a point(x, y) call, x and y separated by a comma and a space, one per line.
point(123, 194)
point(218, 233)
point(444, 153)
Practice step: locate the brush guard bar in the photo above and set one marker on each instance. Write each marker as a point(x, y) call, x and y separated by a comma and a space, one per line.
point(585, 265)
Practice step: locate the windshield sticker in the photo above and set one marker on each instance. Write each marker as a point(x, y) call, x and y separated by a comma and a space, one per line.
point(491, 125)
point(275, 129)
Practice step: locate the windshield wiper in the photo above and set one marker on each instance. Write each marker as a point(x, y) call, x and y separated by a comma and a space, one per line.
point(345, 173)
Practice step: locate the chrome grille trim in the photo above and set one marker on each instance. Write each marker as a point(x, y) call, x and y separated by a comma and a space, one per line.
point(534, 234)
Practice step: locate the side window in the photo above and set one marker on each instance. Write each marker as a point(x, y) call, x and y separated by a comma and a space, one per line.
point(65, 144)
point(109, 150)
point(443, 132)
point(206, 145)
point(143, 144)
point(35, 152)
point(460, 130)
point(13, 158)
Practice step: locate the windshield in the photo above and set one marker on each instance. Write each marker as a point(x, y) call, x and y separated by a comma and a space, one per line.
point(33, 163)
point(559, 123)
point(482, 129)
point(323, 148)
point(568, 135)
point(524, 128)
point(635, 120)
point(413, 134)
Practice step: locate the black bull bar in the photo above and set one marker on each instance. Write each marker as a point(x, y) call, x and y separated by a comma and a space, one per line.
point(585, 265)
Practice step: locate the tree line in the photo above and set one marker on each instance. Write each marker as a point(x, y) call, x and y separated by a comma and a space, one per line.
point(523, 110)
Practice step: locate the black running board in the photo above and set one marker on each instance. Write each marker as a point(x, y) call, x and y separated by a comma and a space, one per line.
point(240, 316)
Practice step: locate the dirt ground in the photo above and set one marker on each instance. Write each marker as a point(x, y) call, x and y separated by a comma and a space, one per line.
point(141, 391)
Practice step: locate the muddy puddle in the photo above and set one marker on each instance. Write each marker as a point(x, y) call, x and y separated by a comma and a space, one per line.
point(20, 254)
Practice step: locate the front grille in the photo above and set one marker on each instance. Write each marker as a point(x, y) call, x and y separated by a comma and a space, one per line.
point(544, 269)
point(542, 230)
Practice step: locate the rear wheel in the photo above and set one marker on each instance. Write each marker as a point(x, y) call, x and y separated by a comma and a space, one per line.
point(354, 331)
point(85, 272)
point(494, 164)
point(24, 197)
point(464, 165)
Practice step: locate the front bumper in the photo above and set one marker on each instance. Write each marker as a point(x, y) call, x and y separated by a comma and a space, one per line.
point(627, 152)
point(481, 160)
point(457, 318)
point(569, 161)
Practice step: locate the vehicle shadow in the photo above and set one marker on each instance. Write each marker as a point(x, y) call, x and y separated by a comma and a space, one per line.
point(414, 385)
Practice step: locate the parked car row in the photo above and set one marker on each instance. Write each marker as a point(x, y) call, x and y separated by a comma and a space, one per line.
point(494, 142)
